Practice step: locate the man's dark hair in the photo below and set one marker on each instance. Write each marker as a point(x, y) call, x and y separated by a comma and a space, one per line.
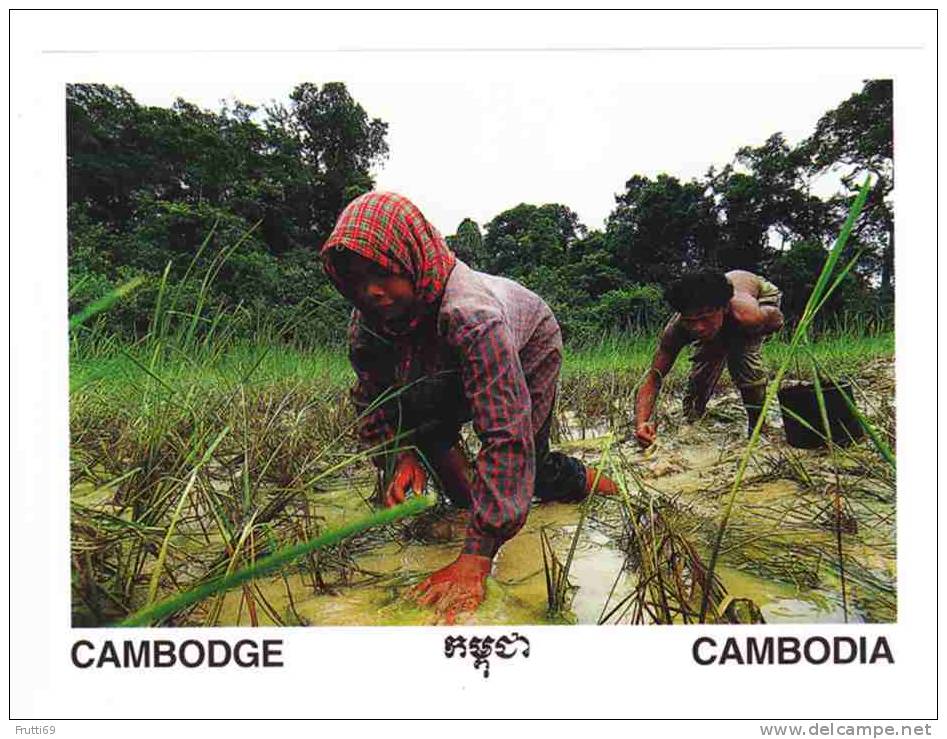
point(698, 290)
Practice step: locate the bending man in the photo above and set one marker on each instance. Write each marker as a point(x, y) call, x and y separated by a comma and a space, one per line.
point(725, 317)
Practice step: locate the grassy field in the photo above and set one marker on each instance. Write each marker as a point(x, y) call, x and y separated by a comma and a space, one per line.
point(120, 369)
point(187, 465)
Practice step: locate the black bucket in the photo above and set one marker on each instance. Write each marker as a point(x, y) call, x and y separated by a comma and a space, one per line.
point(799, 401)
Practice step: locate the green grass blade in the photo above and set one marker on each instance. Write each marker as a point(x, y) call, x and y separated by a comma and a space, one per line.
point(275, 561)
point(883, 449)
point(820, 401)
point(159, 301)
point(105, 302)
point(163, 553)
point(801, 328)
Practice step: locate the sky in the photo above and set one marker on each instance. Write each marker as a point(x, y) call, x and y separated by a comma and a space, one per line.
point(474, 135)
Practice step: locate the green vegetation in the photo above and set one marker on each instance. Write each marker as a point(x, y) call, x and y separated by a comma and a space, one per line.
point(273, 562)
point(109, 373)
point(830, 277)
point(146, 186)
point(844, 350)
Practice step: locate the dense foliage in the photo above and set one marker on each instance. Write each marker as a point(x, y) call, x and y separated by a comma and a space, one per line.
point(162, 191)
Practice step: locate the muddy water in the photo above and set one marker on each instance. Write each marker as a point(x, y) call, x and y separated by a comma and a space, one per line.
point(779, 551)
point(516, 594)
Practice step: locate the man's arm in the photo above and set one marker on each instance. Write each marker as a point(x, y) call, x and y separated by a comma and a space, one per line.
point(668, 349)
point(753, 317)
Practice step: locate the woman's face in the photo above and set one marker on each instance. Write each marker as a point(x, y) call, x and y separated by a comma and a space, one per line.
point(386, 296)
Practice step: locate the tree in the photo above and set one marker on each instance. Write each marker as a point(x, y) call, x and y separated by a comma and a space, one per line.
point(592, 271)
point(794, 271)
point(105, 158)
point(339, 144)
point(467, 243)
point(527, 235)
point(857, 138)
point(147, 185)
point(766, 199)
point(661, 227)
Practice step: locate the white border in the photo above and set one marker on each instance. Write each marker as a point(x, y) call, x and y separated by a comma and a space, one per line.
point(349, 672)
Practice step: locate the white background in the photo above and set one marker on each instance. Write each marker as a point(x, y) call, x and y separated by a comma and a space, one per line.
point(390, 672)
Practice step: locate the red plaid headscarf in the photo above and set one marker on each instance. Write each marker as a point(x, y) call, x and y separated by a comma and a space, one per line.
point(389, 230)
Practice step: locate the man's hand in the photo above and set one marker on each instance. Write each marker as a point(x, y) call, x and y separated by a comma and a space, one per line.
point(409, 475)
point(646, 432)
point(456, 588)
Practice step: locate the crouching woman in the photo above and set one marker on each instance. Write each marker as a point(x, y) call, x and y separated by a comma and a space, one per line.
point(434, 344)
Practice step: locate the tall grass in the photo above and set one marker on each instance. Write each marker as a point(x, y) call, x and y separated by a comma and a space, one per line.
point(195, 454)
point(845, 346)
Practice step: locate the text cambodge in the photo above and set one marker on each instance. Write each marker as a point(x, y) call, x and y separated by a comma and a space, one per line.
point(147, 653)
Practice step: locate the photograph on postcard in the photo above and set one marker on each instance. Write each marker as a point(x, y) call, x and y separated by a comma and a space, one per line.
point(306, 391)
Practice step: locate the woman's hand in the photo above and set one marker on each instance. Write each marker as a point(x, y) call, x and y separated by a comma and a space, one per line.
point(646, 432)
point(454, 589)
point(409, 475)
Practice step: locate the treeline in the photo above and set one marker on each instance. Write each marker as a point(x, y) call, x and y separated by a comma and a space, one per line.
point(152, 189)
